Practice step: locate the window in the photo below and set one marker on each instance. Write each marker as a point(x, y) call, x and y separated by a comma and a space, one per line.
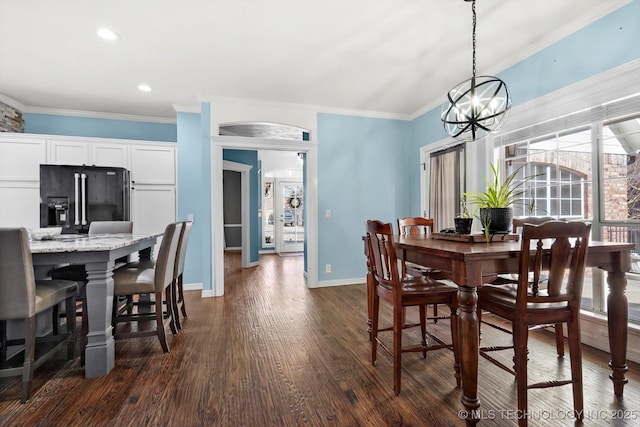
point(589, 172)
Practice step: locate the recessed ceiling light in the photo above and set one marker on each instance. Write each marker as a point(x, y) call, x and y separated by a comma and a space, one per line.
point(107, 34)
point(144, 87)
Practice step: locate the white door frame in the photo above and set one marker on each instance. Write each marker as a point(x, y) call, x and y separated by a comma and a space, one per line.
point(219, 143)
point(244, 206)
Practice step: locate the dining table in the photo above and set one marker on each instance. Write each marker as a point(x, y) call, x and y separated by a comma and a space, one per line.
point(470, 265)
point(98, 253)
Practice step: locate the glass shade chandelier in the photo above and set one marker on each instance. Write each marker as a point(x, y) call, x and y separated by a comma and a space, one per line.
point(477, 106)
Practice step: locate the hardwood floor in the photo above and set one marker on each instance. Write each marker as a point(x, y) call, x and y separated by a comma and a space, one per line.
point(273, 353)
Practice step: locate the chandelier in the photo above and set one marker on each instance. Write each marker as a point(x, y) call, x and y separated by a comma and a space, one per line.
point(477, 106)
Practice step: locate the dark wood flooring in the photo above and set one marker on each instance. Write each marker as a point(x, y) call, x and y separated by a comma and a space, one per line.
point(272, 352)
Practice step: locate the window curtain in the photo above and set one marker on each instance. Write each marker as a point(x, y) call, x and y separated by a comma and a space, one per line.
point(446, 185)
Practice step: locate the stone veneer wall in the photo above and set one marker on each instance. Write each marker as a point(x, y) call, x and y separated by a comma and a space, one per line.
point(11, 120)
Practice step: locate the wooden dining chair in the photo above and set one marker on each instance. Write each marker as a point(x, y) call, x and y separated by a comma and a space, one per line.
point(402, 292)
point(512, 280)
point(415, 226)
point(557, 249)
point(156, 281)
point(23, 298)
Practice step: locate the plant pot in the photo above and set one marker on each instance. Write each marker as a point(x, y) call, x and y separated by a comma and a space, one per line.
point(463, 225)
point(499, 219)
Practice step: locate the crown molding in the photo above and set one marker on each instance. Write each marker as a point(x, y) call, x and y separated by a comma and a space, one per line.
point(96, 115)
point(191, 108)
point(11, 102)
point(313, 107)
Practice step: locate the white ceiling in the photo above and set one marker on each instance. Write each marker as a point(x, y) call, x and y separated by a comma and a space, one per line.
point(388, 56)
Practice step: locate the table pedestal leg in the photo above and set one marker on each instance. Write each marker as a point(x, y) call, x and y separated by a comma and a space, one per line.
point(469, 343)
point(618, 318)
point(100, 351)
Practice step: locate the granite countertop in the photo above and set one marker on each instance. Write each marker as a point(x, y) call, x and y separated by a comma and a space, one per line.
point(84, 242)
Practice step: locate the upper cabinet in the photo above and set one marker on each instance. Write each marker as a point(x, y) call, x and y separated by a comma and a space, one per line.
point(74, 152)
point(20, 157)
point(114, 155)
point(153, 164)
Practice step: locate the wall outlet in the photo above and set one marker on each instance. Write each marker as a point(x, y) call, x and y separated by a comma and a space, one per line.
point(327, 268)
point(190, 217)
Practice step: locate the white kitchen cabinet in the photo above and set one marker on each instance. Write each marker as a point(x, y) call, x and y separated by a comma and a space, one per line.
point(20, 158)
point(87, 152)
point(21, 204)
point(113, 155)
point(153, 164)
point(64, 152)
point(152, 207)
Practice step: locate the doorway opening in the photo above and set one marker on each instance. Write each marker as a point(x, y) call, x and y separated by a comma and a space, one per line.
point(310, 220)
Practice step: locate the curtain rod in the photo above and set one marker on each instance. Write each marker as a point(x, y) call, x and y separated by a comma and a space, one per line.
point(457, 147)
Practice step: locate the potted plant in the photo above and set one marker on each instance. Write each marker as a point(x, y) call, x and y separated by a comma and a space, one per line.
point(464, 220)
point(495, 203)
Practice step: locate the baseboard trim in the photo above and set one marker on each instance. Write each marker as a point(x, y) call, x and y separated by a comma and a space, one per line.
point(192, 286)
point(340, 282)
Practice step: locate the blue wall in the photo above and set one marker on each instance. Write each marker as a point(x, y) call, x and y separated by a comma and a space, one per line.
point(190, 200)
point(363, 173)
point(49, 124)
point(250, 157)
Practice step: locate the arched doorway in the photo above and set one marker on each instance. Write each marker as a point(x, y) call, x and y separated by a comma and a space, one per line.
point(243, 142)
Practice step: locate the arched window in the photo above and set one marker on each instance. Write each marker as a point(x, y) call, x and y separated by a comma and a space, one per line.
point(553, 191)
point(264, 130)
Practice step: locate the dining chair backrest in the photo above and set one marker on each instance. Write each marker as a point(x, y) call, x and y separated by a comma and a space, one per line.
point(110, 227)
point(182, 250)
point(382, 250)
point(166, 261)
point(17, 281)
point(535, 220)
point(559, 249)
point(415, 225)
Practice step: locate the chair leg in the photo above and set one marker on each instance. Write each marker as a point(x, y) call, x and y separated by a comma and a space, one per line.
point(435, 313)
point(174, 305)
point(29, 356)
point(559, 340)
point(181, 296)
point(56, 324)
point(575, 354)
point(520, 341)
point(423, 330)
point(3, 340)
point(71, 327)
point(170, 309)
point(374, 328)
point(162, 336)
point(398, 315)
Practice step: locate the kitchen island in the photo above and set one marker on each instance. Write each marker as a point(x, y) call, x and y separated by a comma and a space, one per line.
point(98, 253)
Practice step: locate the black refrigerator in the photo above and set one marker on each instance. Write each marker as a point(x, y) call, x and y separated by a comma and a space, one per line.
point(73, 196)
